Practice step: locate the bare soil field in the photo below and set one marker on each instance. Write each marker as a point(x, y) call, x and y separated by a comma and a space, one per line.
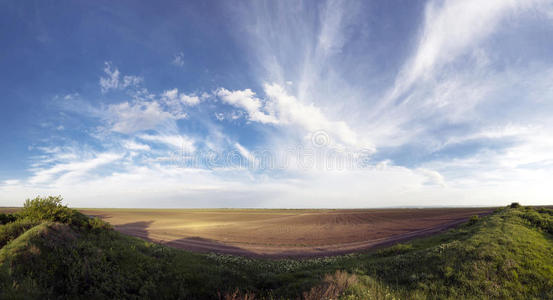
point(282, 233)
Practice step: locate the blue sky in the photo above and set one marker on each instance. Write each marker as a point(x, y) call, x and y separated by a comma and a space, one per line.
point(277, 103)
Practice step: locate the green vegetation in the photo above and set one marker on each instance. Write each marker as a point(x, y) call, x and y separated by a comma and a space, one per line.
point(473, 220)
point(7, 218)
point(51, 251)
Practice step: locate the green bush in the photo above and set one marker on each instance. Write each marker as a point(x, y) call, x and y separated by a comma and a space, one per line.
point(395, 250)
point(44, 209)
point(515, 205)
point(96, 224)
point(544, 210)
point(473, 220)
point(7, 218)
point(51, 209)
point(541, 219)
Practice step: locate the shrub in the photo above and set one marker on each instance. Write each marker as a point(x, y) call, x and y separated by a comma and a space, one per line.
point(395, 250)
point(541, 220)
point(51, 209)
point(96, 224)
point(515, 205)
point(473, 220)
point(42, 209)
point(7, 218)
point(543, 210)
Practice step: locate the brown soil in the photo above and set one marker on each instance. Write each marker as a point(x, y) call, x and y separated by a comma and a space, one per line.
point(280, 233)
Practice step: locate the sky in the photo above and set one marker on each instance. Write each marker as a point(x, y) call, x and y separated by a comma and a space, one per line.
point(277, 104)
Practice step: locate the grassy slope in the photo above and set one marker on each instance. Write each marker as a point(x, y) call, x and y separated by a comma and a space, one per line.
point(507, 254)
point(501, 255)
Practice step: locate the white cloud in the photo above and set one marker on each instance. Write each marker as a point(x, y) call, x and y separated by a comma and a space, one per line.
point(510, 130)
point(380, 185)
point(452, 28)
point(137, 186)
point(253, 161)
point(189, 99)
point(171, 99)
point(176, 100)
point(432, 177)
point(291, 111)
point(286, 110)
point(171, 94)
point(128, 118)
point(162, 186)
point(247, 100)
point(331, 37)
point(180, 142)
point(11, 182)
point(72, 96)
point(178, 60)
point(113, 80)
point(132, 145)
point(73, 169)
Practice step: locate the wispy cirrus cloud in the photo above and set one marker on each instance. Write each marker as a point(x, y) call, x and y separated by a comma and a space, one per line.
point(71, 170)
point(114, 80)
point(179, 142)
point(453, 29)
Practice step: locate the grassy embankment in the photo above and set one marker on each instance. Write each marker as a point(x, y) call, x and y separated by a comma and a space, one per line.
point(51, 251)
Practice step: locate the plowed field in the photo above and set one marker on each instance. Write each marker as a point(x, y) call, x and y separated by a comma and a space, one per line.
point(279, 233)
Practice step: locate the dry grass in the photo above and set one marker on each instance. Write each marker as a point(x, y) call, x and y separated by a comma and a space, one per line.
point(237, 295)
point(333, 286)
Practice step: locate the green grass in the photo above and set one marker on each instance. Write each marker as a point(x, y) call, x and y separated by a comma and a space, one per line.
point(62, 255)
